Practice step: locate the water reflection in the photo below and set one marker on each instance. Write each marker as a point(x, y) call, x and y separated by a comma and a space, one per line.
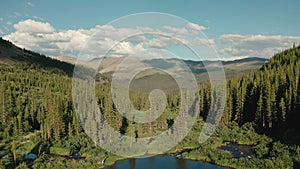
point(159, 162)
point(111, 167)
point(132, 163)
point(181, 164)
point(151, 161)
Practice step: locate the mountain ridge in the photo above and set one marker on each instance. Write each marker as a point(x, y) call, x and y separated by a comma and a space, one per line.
point(12, 54)
point(232, 68)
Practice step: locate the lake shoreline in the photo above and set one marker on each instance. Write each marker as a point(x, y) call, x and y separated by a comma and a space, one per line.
point(179, 154)
point(172, 154)
point(168, 156)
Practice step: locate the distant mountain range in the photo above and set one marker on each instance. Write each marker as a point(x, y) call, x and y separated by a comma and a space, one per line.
point(232, 68)
point(11, 54)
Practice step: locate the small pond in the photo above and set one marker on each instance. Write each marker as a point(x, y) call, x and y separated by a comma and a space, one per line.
point(238, 150)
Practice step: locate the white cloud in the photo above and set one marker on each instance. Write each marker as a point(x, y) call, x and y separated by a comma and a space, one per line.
point(38, 18)
point(125, 48)
point(190, 28)
point(31, 26)
point(182, 31)
point(205, 42)
point(156, 43)
point(173, 39)
point(30, 4)
point(1, 19)
point(196, 26)
point(1, 32)
point(8, 22)
point(42, 37)
point(233, 58)
point(256, 45)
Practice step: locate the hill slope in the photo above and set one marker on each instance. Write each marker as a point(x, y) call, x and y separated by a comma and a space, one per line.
point(269, 97)
point(11, 54)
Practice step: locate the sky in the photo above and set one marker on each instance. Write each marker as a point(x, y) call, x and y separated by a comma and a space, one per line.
point(235, 28)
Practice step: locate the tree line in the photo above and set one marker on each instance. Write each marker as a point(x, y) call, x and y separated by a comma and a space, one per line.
point(37, 99)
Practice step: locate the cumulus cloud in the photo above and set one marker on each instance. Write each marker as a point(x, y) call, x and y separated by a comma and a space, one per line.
point(31, 26)
point(124, 48)
point(256, 45)
point(42, 37)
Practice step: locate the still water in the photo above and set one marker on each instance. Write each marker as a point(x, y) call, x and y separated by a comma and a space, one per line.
point(161, 162)
point(237, 150)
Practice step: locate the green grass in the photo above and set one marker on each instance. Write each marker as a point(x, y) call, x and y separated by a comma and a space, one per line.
point(28, 146)
point(112, 159)
point(59, 150)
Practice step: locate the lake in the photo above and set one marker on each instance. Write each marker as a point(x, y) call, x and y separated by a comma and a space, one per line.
point(161, 162)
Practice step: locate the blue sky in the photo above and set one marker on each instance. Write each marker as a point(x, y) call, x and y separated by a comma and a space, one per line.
point(240, 20)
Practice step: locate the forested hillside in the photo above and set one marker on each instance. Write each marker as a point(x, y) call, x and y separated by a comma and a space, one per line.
point(36, 99)
point(11, 54)
point(269, 97)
